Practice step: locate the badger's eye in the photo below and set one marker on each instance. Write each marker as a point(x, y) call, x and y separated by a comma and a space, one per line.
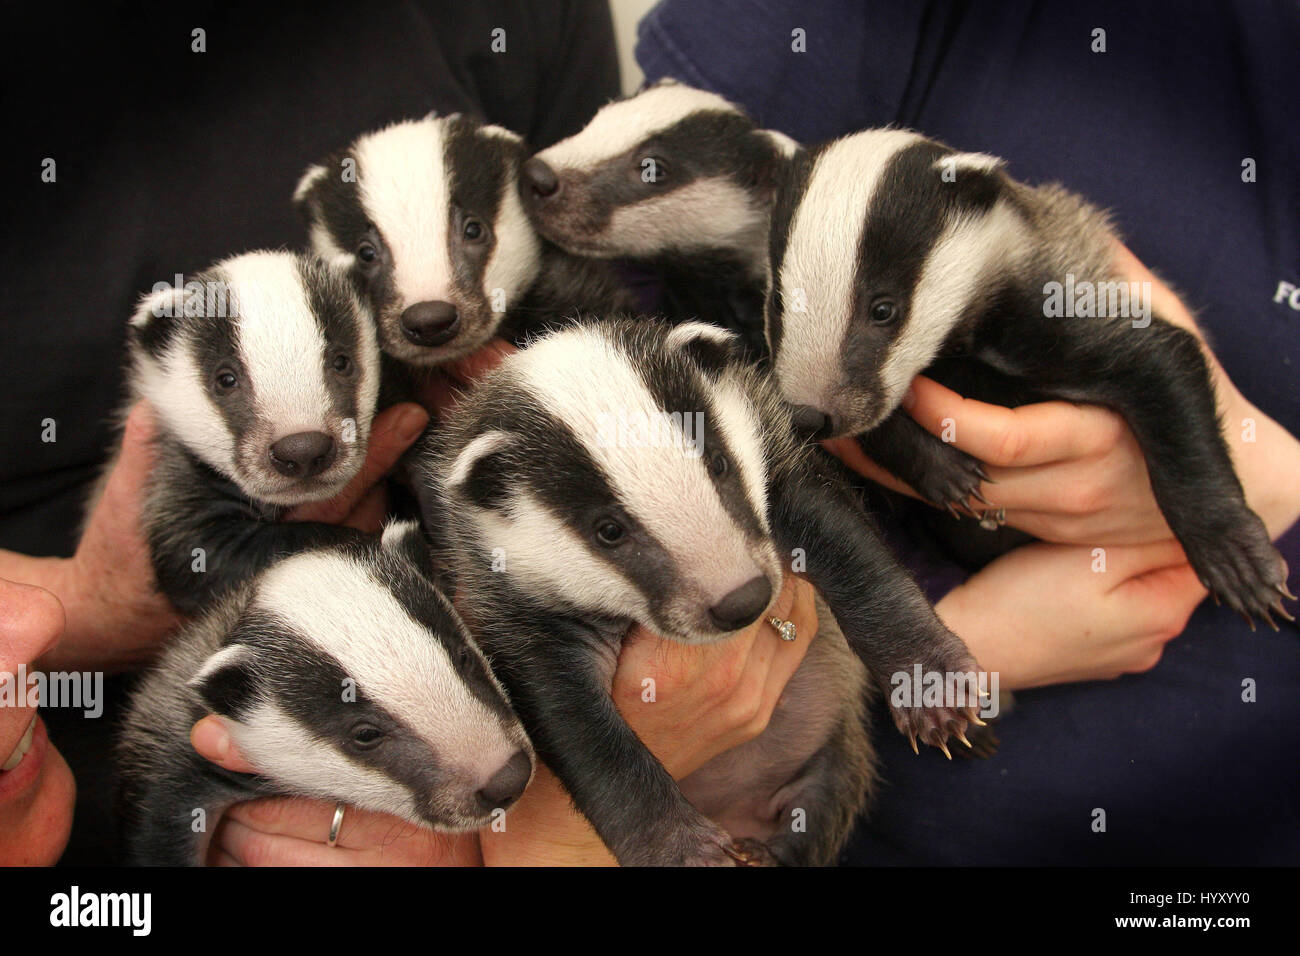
point(366, 252)
point(226, 380)
point(473, 230)
point(342, 364)
point(654, 170)
point(366, 736)
point(609, 533)
point(883, 311)
point(719, 466)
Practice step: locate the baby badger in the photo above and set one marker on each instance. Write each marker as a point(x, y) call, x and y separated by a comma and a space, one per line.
point(894, 255)
point(629, 472)
point(343, 675)
point(679, 179)
point(262, 373)
point(427, 215)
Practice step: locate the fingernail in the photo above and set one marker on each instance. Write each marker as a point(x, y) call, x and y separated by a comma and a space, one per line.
point(214, 739)
point(909, 397)
point(411, 423)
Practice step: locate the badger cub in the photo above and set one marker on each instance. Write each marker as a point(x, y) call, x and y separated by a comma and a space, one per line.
point(632, 472)
point(678, 179)
point(894, 255)
point(262, 373)
point(427, 216)
point(344, 675)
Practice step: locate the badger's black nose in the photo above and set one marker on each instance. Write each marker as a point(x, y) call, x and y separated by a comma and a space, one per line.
point(540, 178)
point(506, 784)
point(303, 454)
point(742, 606)
point(430, 323)
point(810, 421)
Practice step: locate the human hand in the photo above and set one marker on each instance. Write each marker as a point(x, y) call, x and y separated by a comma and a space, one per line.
point(292, 831)
point(1044, 614)
point(1074, 474)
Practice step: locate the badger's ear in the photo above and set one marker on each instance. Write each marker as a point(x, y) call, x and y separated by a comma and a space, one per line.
point(225, 681)
point(709, 346)
point(304, 194)
point(975, 178)
point(406, 538)
point(155, 318)
point(479, 471)
point(787, 146)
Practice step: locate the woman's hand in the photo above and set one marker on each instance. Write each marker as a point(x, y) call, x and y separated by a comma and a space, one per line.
point(292, 831)
point(687, 703)
point(1051, 613)
point(1074, 474)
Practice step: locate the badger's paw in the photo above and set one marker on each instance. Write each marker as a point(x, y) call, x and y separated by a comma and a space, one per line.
point(950, 479)
point(747, 851)
point(695, 843)
point(940, 710)
point(1243, 571)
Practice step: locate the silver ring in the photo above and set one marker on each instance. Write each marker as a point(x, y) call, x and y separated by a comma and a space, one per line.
point(992, 520)
point(336, 825)
point(784, 629)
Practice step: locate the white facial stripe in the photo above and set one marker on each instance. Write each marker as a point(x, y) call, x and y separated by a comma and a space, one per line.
point(582, 380)
point(403, 182)
point(176, 389)
point(739, 424)
point(392, 657)
point(516, 257)
point(281, 344)
point(701, 215)
point(280, 746)
point(821, 260)
point(621, 125)
point(545, 556)
point(957, 267)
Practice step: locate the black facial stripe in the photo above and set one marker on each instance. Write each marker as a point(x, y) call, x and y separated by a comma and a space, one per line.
point(335, 312)
point(480, 168)
point(789, 195)
point(905, 219)
point(552, 462)
point(704, 145)
point(677, 389)
point(308, 684)
point(214, 343)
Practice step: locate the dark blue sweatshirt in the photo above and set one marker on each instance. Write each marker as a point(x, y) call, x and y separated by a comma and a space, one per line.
point(1159, 128)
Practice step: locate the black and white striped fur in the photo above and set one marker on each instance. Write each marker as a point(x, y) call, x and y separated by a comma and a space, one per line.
point(343, 674)
point(565, 534)
point(427, 215)
point(883, 267)
point(262, 373)
point(676, 178)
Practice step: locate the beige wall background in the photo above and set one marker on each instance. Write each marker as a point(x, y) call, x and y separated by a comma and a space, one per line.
point(627, 13)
